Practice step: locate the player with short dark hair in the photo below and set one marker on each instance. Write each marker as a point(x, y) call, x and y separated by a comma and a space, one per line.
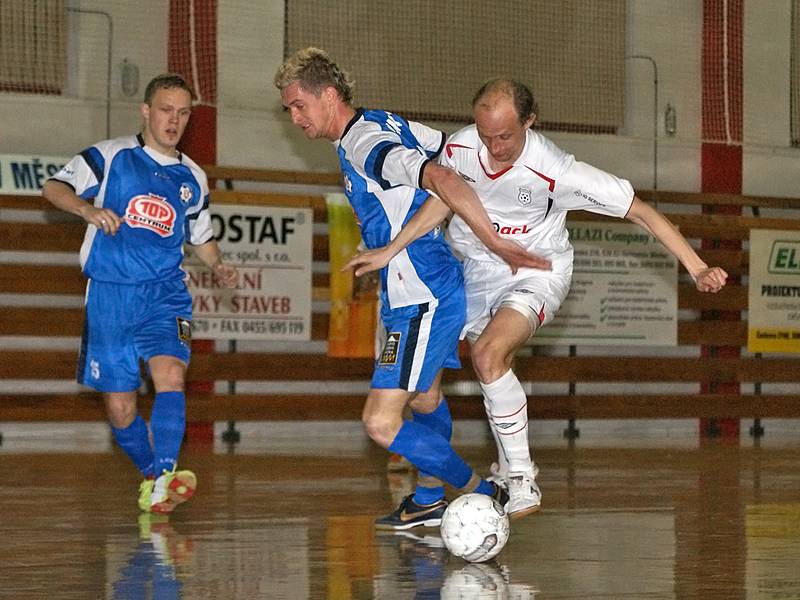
point(142, 200)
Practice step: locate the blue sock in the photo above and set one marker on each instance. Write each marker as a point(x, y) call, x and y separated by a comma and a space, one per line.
point(430, 452)
point(441, 422)
point(484, 487)
point(168, 422)
point(135, 441)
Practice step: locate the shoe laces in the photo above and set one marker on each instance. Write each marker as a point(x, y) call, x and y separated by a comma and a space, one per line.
point(523, 483)
point(406, 502)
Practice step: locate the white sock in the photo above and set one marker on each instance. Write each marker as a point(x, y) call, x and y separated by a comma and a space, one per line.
point(502, 461)
point(507, 407)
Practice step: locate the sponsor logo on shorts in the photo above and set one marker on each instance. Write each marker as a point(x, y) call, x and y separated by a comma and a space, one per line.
point(389, 353)
point(522, 291)
point(185, 193)
point(151, 212)
point(184, 329)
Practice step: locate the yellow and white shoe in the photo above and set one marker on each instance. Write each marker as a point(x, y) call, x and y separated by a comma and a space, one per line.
point(145, 494)
point(172, 488)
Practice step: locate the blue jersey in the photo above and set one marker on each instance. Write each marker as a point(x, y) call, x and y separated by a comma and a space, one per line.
point(161, 200)
point(382, 157)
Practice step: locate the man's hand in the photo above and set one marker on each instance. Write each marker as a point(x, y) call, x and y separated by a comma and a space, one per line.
point(368, 260)
point(228, 275)
point(517, 257)
point(711, 279)
point(103, 218)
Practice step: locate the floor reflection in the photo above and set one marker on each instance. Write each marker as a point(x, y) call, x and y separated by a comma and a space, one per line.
point(715, 521)
point(152, 569)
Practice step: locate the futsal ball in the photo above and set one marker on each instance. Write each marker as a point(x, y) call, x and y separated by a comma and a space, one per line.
point(475, 527)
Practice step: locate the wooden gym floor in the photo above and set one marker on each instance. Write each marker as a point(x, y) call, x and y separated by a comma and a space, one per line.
point(287, 513)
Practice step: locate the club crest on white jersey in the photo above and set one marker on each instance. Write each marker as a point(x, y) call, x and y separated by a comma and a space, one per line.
point(524, 196)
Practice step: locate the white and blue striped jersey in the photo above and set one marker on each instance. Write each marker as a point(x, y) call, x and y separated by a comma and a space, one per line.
point(162, 201)
point(382, 157)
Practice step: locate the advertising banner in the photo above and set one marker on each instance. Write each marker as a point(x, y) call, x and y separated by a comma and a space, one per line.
point(272, 247)
point(26, 174)
point(354, 301)
point(624, 290)
point(774, 291)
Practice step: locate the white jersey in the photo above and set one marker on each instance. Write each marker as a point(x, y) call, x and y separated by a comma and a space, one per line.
point(528, 201)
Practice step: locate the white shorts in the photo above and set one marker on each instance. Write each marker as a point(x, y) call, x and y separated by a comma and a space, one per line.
point(489, 285)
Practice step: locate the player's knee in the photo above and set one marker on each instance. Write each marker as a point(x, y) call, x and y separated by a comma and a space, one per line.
point(489, 365)
point(121, 413)
point(375, 428)
point(426, 402)
point(173, 383)
point(170, 377)
point(380, 429)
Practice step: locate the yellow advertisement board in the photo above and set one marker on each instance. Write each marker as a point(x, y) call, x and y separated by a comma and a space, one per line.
point(354, 302)
point(774, 291)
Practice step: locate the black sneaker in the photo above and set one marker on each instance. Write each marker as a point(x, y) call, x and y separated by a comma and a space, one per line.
point(500, 494)
point(410, 514)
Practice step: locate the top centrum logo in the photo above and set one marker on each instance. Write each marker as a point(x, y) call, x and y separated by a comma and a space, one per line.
point(151, 212)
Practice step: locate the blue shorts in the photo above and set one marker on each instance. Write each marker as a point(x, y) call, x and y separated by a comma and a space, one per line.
point(421, 340)
point(125, 323)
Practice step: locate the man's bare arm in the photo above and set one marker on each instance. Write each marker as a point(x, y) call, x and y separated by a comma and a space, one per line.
point(462, 200)
point(707, 279)
point(63, 197)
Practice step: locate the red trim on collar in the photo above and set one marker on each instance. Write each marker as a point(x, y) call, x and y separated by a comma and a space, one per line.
point(551, 182)
point(490, 175)
point(449, 149)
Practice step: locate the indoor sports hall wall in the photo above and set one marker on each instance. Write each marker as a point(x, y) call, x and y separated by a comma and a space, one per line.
point(253, 132)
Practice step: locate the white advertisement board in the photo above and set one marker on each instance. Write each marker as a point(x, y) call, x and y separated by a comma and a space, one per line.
point(624, 290)
point(272, 247)
point(26, 174)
